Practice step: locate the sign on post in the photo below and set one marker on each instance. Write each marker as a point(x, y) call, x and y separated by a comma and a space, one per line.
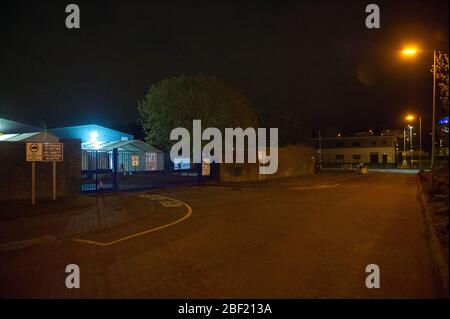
point(134, 160)
point(34, 152)
point(52, 152)
point(43, 152)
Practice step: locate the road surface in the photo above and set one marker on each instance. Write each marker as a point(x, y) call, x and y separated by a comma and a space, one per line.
point(301, 238)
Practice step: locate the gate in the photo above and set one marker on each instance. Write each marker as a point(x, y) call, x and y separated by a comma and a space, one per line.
point(117, 170)
point(97, 174)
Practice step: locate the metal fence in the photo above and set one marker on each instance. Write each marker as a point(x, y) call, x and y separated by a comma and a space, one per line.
point(115, 170)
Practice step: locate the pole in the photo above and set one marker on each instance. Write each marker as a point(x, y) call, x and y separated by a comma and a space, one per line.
point(54, 180)
point(434, 114)
point(320, 150)
point(404, 147)
point(420, 141)
point(33, 183)
point(411, 143)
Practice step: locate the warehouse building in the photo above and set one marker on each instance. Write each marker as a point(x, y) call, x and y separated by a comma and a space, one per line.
point(97, 145)
point(348, 152)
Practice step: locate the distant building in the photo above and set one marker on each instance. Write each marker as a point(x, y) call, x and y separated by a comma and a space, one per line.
point(91, 133)
point(38, 137)
point(374, 150)
point(12, 127)
point(442, 133)
point(133, 155)
point(97, 144)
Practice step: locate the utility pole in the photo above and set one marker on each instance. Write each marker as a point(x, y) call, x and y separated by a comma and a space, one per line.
point(404, 147)
point(420, 141)
point(434, 114)
point(411, 143)
point(320, 151)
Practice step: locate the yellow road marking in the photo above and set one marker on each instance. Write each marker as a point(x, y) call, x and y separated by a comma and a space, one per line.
point(92, 242)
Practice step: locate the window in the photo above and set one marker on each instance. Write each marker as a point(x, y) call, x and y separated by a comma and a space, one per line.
point(150, 161)
point(374, 143)
point(356, 156)
point(356, 144)
point(384, 143)
point(181, 163)
point(339, 144)
point(339, 157)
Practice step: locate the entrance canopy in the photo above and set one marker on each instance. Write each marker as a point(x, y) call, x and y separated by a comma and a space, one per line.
point(130, 146)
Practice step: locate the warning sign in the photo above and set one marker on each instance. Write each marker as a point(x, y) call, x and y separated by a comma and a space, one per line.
point(134, 160)
point(52, 152)
point(34, 152)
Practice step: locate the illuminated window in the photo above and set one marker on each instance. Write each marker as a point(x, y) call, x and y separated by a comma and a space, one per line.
point(151, 161)
point(181, 163)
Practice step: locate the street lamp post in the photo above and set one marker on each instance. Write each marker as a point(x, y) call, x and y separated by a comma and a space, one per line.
point(411, 143)
point(404, 147)
point(410, 119)
point(434, 114)
point(420, 141)
point(412, 51)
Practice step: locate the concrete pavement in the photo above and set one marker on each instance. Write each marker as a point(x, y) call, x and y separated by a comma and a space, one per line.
point(297, 238)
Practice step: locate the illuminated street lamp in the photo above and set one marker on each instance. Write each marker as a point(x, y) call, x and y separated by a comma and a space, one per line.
point(410, 119)
point(411, 144)
point(413, 52)
point(409, 51)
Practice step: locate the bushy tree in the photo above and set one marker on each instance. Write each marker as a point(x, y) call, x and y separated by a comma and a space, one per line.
point(442, 77)
point(176, 101)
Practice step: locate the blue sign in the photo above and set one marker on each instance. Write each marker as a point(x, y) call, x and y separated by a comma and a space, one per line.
point(443, 120)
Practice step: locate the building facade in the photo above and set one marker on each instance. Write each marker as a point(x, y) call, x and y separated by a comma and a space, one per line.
point(376, 151)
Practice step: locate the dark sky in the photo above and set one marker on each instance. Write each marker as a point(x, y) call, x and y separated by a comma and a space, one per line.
point(313, 59)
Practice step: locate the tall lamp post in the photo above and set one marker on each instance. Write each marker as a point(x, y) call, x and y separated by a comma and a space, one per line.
point(411, 144)
point(410, 118)
point(413, 51)
point(434, 112)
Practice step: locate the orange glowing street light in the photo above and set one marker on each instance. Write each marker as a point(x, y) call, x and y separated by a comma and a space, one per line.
point(409, 51)
point(410, 117)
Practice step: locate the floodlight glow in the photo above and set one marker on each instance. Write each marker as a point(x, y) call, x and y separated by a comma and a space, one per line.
point(93, 135)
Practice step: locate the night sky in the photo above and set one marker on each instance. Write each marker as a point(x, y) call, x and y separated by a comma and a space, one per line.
point(313, 59)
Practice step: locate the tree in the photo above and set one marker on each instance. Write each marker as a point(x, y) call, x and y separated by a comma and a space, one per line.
point(442, 77)
point(176, 101)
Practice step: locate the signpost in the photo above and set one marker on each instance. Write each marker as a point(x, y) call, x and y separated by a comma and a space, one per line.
point(33, 155)
point(43, 152)
point(134, 160)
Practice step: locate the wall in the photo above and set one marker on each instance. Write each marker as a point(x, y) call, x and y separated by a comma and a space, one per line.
point(294, 160)
point(15, 172)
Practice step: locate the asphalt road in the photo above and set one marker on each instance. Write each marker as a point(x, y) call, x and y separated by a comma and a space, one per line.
point(301, 238)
